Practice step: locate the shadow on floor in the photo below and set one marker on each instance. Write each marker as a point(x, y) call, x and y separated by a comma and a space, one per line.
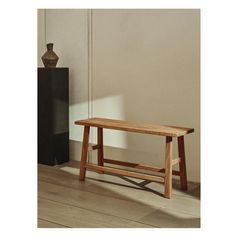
point(155, 215)
point(193, 190)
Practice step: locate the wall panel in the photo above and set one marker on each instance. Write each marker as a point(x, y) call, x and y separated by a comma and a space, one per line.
point(140, 65)
point(146, 67)
point(68, 30)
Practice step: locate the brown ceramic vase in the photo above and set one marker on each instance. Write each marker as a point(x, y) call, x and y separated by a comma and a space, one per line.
point(50, 58)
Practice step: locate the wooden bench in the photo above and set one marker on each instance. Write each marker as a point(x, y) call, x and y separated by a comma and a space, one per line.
point(167, 131)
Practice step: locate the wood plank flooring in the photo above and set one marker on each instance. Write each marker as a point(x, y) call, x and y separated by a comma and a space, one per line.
point(110, 201)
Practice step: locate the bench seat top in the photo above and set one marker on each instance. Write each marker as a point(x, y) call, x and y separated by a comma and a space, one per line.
point(164, 130)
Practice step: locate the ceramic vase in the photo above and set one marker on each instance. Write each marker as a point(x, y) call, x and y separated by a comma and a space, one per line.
point(50, 58)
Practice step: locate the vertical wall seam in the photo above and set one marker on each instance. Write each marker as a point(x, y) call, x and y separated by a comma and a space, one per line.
point(90, 75)
point(88, 55)
point(90, 65)
point(91, 42)
point(45, 25)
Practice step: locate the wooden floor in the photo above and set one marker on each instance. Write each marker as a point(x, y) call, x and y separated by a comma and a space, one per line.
point(109, 201)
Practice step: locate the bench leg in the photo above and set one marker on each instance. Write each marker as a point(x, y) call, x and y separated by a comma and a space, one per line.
point(182, 164)
point(84, 154)
point(100, 149)
point(168, 167)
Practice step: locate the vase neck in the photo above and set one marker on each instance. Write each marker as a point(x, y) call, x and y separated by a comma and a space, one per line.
point(50, 46)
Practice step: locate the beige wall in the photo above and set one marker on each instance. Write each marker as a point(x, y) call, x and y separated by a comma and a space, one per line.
point(68, 31)
point(140, 65)
point(41, 35)
point(146, 67)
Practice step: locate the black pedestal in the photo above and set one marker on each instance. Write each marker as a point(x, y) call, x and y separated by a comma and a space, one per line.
point(53, 115)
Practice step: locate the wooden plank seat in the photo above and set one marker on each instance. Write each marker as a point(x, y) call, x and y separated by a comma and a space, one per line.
point(168, 131)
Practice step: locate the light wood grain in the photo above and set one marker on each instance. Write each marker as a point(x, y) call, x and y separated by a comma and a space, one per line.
point(140, 166)
point(133, 165)
point(137, 206)
point(129, 209)
point(67, 175)
point(100, 143)
point(79, 217)
point(125, 173)
point(126, 198)
point(168, 131)
point(145, 192)
point(145, 128)
point(168, 168)
point(182, 164)
point(170, 218)
point(49, 224)
point(84, 154)
point(93, 147)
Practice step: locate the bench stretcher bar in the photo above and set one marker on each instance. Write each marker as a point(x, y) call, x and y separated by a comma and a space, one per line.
point(141, 166)
point(125, 173)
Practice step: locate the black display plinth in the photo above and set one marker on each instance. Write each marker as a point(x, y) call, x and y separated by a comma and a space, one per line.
point(53, 115)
